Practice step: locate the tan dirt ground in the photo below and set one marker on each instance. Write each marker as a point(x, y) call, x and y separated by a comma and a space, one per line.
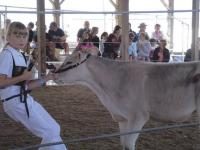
point(81, 114)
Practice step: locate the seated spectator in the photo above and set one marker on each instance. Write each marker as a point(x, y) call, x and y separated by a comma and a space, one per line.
point(132, 49)
point(58, 36)
point(130, 30)
point(161, 54)
point(117, 33)
point(3, 32)
point(188, 55)
point(30, 29)
point(104, 37)
point(30, 36)
point(82, 30)
point(110, 48)
point(85, 42)
point(144, 47)
point(142, 29)
point(93, 36)
point(50, 46)
point(157, 34)
point(154, 45)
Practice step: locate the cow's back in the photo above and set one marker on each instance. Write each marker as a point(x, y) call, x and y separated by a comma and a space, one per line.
point(170, 90)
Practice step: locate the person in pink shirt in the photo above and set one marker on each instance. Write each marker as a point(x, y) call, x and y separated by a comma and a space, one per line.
point(157, 34)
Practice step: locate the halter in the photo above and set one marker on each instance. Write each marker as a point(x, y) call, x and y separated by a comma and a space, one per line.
point(73, 66)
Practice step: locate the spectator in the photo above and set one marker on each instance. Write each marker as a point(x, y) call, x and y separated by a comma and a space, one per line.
point(144, 47)
point(85, 42)
point(82, 30)
point(104, 37)
point(117, 33)
point(188, 55)
point(154, 45)
point(93, 36)
point(110, 48)
point(142, 29)
point(50, 46)
point(58, 36)
point(132, 49)
point(130, 30)
point(161, 54)
point(157, 34)
point(3, 32)
point(30, 36)
point(30, 30)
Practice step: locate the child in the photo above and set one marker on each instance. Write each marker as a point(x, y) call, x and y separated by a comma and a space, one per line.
point(85, 42)
point(14, 84)
point(132, 49)
point(104, 37)
point(144, 47)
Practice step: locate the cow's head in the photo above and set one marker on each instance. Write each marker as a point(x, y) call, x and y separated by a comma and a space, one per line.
point(73, 68)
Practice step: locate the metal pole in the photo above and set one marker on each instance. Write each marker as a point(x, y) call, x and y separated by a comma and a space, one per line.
point(0, 22)
point(195, 30)
point(124, 6)
point(41, 38)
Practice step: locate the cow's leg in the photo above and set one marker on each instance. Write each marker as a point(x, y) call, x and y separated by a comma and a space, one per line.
point(198, 111)
point(133, 124)
point(122, 127)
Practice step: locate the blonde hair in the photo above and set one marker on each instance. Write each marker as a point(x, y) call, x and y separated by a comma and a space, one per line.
point(16, 28)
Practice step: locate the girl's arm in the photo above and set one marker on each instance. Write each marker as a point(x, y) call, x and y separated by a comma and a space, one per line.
point(5, 81)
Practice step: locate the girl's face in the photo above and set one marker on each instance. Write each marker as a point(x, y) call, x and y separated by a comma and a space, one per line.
point(18, 39)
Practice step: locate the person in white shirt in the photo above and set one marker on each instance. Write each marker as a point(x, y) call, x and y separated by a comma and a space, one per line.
point(15, 83)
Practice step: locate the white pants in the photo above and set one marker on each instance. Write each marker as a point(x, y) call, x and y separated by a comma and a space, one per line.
point(40, 122)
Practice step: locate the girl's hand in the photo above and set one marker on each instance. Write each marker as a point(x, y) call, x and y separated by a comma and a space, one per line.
point(27, 75)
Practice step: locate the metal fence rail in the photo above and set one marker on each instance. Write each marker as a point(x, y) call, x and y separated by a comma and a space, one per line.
point(106, 136)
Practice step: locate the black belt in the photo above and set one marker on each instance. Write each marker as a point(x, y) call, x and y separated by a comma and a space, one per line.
point(22, 94)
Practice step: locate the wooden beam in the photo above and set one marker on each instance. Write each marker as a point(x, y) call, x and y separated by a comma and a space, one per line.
point(124, 7)
point(165, 4)
point(61, 1)
point(113, 3)
point(171, 24)
point(56, 6)
point(195, 30)
point(170, 20)
point(41, 38)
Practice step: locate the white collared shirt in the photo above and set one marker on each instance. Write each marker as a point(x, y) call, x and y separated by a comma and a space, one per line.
point(6, 67)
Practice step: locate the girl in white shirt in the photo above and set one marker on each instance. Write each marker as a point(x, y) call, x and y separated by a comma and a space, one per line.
point(15, 81)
